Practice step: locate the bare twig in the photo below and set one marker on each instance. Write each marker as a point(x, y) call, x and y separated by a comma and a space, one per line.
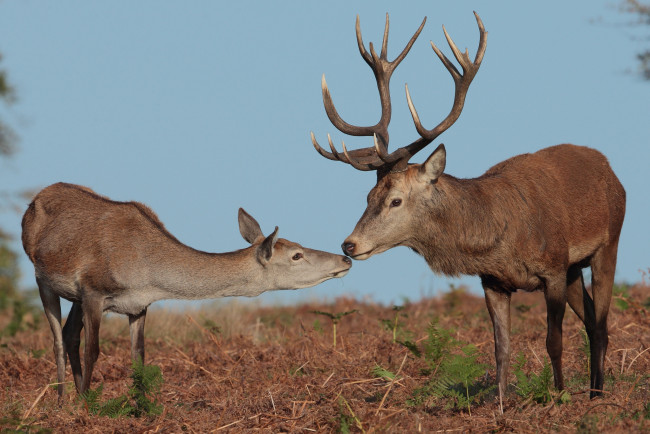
point(328, 379)
point(272, 402)
point(230, 424)
point(38, 398)
point(300, 413)
point(187, 360)
point(535, 354)
point(634, 359)
point(603, 404)
point(627, 395)
point(354, 416)
point(301, 366)
point(209, 334)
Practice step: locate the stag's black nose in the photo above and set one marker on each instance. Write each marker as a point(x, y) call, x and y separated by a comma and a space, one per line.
point(347, 260)
point(348, 248)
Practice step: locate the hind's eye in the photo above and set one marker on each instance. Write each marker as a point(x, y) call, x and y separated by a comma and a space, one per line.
point(297, 256)
point(395, 202)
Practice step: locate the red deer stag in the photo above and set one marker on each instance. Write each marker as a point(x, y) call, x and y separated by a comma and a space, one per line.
point(531, 222)
point(104, 255)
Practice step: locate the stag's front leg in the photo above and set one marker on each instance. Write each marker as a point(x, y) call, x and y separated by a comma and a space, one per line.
point(498, 304)
point(556, 299)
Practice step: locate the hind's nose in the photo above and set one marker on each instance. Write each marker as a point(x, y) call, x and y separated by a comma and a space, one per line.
point(347, 260)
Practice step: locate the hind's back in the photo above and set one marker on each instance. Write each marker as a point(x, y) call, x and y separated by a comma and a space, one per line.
point(65, 219)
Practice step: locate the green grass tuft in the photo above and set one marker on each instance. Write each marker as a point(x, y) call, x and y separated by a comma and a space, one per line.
point(142, 399)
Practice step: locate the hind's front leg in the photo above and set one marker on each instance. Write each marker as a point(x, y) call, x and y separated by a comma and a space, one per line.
point(136, 330)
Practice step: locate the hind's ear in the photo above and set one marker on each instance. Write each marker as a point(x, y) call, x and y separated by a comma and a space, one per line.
point(431, 169)
point(248, 227)
point(265, 250)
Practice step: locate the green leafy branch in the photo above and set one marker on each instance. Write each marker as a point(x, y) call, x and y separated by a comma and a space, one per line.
point(335, 318)
point(142, 398)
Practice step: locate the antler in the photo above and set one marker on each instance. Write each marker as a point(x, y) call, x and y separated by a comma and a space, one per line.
point(367, 158)
point(461, 81)
point(377, 156)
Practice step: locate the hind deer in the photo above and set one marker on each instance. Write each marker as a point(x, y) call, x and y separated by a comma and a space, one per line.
point(112, 256)
point(532, 222)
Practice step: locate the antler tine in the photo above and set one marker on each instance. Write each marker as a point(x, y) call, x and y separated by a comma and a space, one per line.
point(347, 156)
point(381, 152)
point(336, 120)
point(362, 47)
point(333, 148)
point(462, 82)
point(322, 151)
point(410, 43)
point(462, 58)
point(450, 66)
point(416, 119)
point(384, 43)
point(482, 44)
point(354, 163)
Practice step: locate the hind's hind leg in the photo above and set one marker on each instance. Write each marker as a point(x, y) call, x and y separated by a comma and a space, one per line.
point(72, 339)
point(52, 308)
point(92, 306)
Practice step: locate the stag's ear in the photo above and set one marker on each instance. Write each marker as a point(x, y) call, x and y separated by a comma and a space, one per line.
point(431, 169)
point(248, 227)
point(265, 250)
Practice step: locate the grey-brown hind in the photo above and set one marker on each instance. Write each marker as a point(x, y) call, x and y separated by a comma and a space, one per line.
point(104, 255)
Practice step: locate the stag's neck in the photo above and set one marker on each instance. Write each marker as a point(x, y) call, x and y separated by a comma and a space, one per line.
point(190, 274)
point(466, 227)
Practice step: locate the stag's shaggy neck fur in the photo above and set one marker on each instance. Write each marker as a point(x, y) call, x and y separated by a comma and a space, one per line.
point(470, 224)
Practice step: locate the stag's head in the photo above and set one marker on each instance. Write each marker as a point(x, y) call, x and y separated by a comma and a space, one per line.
point(402, 189)
point(397, 207)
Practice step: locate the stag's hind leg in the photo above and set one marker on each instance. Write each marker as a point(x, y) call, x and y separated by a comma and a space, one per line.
point(580, 300)
point(72, 339)
point(583, 305)
point(52, 308)
point(556, 299)
point(603, 266)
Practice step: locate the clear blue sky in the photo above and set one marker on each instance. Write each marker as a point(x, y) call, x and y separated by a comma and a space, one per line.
point(198, 108)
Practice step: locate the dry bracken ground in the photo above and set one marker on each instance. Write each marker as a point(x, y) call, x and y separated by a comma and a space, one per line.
point(241, 367)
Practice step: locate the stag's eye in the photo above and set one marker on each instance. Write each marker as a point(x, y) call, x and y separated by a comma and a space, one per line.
point(297, 256)
point(395, 202)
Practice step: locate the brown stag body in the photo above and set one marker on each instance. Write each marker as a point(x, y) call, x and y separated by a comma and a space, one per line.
point(531, 222)
point(508, 225)
point(117, 256)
